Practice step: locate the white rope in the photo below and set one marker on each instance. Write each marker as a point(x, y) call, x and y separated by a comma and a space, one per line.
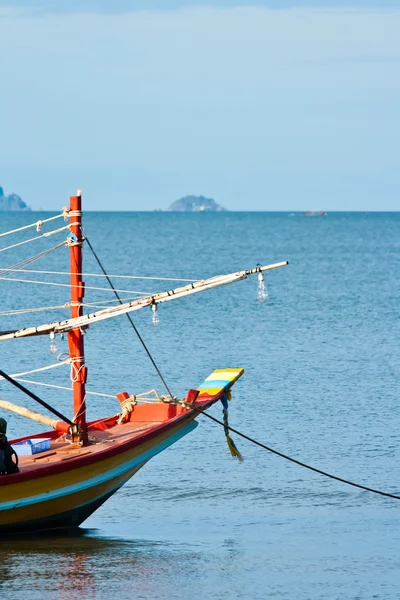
point(108, 301)
point(21, 311)
point(47, 368)
point(38, 224)
point(61, 387)
point(141, 398)
point(32, 259)
point(38, 237)
point(66, 305)
point(100, 394)
point(127, 307)
point(87, 287)
point(75, 371)
point(102, 275)
point(80, 410)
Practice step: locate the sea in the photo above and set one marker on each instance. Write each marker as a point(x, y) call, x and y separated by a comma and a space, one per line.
point(321, 384)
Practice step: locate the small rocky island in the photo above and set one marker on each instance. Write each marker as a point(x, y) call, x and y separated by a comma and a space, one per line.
point(195, 204)
point(11, 202)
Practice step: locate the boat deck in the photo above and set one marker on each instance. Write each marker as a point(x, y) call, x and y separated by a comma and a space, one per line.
point(62, 450)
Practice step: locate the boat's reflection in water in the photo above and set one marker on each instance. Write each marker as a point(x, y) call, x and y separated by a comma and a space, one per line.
point(81, 564)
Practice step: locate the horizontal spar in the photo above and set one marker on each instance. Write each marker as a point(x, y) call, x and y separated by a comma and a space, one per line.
point(34, 416)
point(127, 307)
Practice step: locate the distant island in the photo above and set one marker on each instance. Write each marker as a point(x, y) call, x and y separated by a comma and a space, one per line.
point(11, 202)
point(196, 204)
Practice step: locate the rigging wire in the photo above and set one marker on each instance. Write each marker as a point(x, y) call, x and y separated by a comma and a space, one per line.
point(87, 287)
point(108, 301)
point(289, 458)
point(38, 237)
point(22, 311)
point(128, 316)
point(38, 224)
point(46, 368)
point(31, 259)
point(102, 275)
point(36, 398)
point(3, 375)
point(139, 397)
point(66, 305)
point(62, 387)
point(96, 304)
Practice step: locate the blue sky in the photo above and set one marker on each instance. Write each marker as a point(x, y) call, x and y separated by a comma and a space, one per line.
point(118, 6)
point(259, 107)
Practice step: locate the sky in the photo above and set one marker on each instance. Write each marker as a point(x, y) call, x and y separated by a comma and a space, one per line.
point(261, 105)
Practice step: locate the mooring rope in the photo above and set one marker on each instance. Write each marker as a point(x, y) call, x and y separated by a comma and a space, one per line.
point(289, 458)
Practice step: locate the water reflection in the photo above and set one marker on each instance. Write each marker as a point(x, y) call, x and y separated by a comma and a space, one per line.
point(80, 565)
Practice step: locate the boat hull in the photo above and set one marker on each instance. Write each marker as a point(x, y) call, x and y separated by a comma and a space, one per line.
point(67, 499)
point(61, 488)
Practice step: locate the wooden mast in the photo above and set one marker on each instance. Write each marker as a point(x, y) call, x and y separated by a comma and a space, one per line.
point(75, 337)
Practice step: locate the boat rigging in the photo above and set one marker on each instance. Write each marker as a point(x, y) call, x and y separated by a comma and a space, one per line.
point(66, 473)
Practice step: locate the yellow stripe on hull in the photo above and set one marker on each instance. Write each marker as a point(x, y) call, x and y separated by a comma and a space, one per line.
point(64, 504)
point(48, 497)
point(43, 485)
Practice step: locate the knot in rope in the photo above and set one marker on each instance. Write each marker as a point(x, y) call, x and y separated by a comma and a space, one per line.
point(172, 399)
point(76, 370)
point(127, 406)
point(39, 225)
point(64, 357)
point(65, 212)
point(231, 444)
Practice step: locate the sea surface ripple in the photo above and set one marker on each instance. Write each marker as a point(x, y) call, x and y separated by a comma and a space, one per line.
point(321, 384)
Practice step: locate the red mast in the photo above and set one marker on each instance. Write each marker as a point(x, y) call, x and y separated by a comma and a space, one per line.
point(75, 337)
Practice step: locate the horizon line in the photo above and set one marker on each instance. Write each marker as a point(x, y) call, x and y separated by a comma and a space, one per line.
point(302, 212)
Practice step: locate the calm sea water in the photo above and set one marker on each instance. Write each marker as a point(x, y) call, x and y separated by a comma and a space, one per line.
point(321, 361)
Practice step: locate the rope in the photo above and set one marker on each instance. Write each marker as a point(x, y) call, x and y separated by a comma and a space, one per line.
point(141, 398)
point(128, 316)
point(80, 410)
point(47, 368)
point(102, 275)
point(231, 444)
point(76, 371)
point(62, 387)
point(35, 238)
point(87, 287)
point(38, 225)
point(100, 303)
point(36, 398)
point(31, 259)
point(22, 311)
point(289, 458)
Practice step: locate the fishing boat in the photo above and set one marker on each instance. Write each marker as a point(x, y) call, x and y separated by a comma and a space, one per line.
point(67, 471)
point(315, 213)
